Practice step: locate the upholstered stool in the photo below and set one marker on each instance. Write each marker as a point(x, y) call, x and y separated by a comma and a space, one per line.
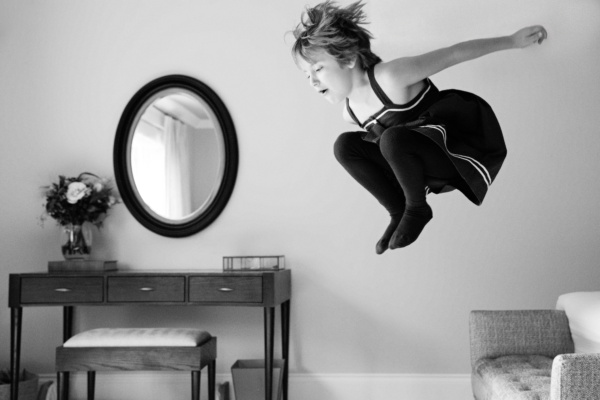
point(132, 349)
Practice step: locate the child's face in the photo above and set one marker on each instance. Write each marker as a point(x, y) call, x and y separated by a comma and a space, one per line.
point(327, 77)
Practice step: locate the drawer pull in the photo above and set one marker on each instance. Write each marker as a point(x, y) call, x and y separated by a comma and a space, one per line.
point(147, 289)
point(225, 289)
point(62, 290)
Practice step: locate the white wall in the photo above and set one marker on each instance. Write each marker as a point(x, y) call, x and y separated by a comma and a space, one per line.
point(69, 67)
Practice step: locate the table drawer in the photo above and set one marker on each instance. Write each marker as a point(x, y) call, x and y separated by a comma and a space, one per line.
point(62, 290)
point(146, 289)
point(239, 289)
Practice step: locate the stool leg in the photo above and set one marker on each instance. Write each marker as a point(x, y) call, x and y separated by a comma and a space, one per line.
point(211, 379)
point(195, 385)
point(61, 377)
point(91, 384)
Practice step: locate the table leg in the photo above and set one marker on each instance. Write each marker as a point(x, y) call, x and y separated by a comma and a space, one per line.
point(285, 342)
point(212, 370)
point(67, 333)
point(269, 345)
point(67, 323)
point(16, 320)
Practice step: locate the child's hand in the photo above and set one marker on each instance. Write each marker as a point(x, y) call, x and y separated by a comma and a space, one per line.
point(528, 36)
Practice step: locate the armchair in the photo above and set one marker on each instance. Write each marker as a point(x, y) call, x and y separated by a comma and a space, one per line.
point(528, 355)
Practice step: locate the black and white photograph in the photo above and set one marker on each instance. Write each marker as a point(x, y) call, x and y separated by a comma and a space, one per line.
point(292, 200)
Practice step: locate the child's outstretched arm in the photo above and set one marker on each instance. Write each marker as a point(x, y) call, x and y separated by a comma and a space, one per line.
point(409, 70)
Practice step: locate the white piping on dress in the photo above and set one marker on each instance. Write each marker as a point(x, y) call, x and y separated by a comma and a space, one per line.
point(476, 164)
point(374, 121)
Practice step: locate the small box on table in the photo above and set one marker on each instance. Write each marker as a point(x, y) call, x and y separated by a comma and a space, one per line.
point(255, 263)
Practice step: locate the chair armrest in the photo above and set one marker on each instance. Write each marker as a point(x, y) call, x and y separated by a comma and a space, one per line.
point(575, 377)
point(524, 332)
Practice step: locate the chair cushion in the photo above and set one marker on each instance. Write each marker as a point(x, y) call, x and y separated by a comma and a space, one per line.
point(583, 312)
point(519, 377)
point(139, 337)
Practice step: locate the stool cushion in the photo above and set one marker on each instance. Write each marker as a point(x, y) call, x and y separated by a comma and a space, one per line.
point(139, 337)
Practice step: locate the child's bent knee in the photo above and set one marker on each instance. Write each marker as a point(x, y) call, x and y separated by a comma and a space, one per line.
point(397, 139)
point(346, 145)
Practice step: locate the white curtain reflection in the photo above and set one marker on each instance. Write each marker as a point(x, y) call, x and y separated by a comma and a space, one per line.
point(160, 162)
point(178, 199)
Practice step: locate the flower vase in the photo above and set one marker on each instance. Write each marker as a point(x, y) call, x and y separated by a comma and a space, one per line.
point(76, 241)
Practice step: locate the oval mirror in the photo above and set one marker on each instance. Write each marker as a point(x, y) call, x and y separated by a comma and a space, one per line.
point(175, 156)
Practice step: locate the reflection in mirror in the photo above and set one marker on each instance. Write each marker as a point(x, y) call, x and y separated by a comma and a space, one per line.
point(177, 155)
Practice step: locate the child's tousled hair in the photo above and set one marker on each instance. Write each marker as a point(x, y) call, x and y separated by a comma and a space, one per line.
point(338, 31)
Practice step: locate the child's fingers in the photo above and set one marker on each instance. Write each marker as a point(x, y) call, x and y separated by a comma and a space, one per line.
point(538, 34)
point(542, 34)
point(530, 35)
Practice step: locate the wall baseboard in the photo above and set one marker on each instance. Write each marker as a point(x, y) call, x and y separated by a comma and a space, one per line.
point(176, 386)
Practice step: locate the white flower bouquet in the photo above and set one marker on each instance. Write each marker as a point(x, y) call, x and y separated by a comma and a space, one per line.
point(86, 198)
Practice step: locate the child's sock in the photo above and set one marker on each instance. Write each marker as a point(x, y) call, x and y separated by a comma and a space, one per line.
point(410, 227)
point(383, 243)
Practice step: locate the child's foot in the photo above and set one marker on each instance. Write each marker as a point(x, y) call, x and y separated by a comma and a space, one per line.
point(383, 243)
point(411, 226)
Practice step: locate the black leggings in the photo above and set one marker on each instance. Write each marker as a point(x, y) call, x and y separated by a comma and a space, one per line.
point(397, 169)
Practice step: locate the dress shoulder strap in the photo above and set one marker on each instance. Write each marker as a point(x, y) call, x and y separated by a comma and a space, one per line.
point(376, 88)
point(351, 113)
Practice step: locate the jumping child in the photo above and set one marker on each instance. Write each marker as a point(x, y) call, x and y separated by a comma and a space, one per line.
point(416, 139)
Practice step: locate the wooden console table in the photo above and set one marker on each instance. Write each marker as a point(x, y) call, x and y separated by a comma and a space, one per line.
point(266, 289)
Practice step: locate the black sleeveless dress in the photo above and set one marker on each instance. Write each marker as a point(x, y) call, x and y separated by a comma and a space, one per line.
point(462, 124)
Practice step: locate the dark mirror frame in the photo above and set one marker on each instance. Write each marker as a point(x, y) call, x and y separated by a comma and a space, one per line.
point(121, 157)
